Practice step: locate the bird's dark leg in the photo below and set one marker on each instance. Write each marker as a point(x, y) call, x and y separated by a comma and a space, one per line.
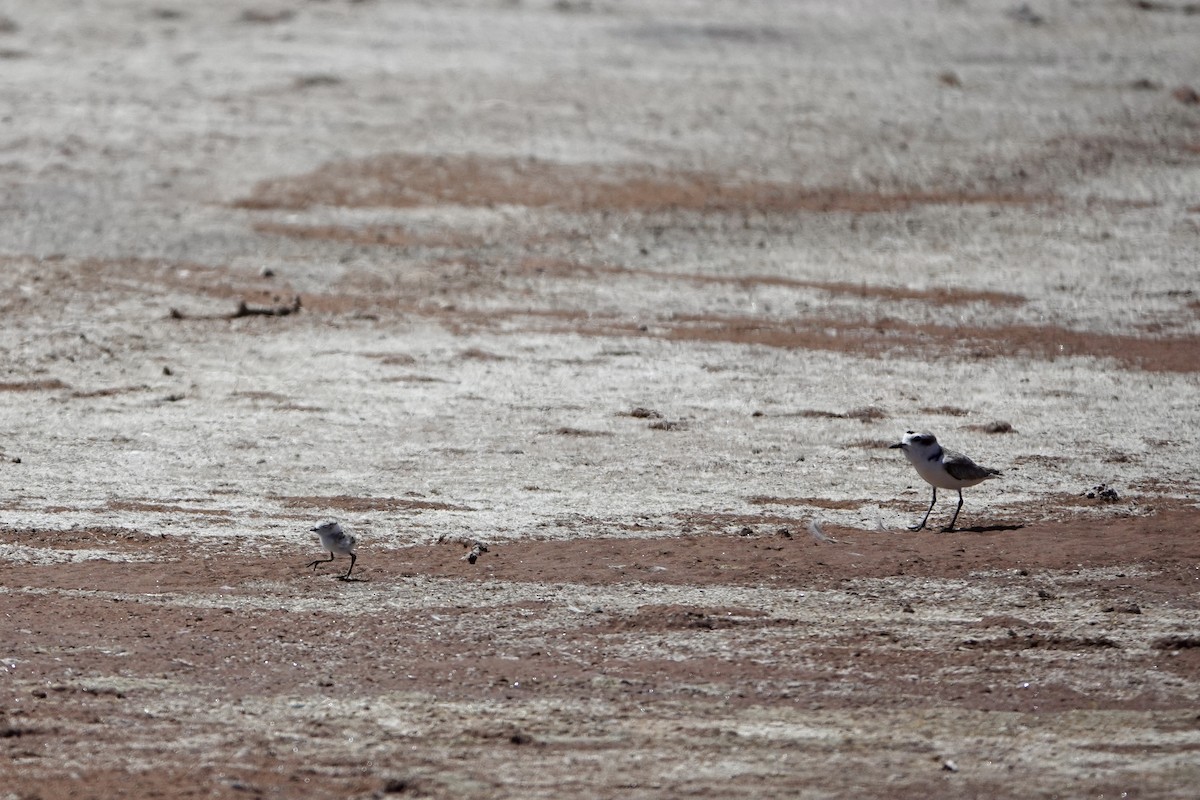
point(322, 560)
point(950, 527)
point(353, 558)
point(931, 505)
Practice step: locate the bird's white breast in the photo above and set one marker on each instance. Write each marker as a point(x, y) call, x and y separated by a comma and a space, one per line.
point(933, 472)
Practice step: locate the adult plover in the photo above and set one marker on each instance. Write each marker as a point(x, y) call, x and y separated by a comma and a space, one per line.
point(335, 540)
point(941, 468)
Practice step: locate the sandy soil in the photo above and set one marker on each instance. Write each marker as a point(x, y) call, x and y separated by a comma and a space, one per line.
point(636, 295)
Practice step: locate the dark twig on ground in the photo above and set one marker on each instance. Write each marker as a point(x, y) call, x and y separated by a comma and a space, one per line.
point(246, 310)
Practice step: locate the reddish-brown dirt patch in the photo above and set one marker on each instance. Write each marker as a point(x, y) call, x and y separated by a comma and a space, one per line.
point(387, 236)
point(118, 539)
point(768, 557)
point(346, 503)
point(48, 385)
point(936, 296)
point(165, 508)
point(878, 337)
point(403, 180)
point(811, 502)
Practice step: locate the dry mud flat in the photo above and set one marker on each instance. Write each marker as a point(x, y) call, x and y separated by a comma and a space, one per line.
point(637, 295)
point(708, 664)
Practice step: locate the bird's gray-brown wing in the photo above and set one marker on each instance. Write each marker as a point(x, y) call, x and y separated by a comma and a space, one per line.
point(962, 468)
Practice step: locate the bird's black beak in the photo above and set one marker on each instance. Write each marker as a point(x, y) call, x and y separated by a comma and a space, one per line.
point(894, 446)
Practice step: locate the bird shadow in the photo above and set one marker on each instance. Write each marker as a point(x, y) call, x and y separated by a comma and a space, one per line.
point(986, 529)
point(343, 578)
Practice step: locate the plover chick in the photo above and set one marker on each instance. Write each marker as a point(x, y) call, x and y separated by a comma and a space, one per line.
point(335, 540)
point(941, 469)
